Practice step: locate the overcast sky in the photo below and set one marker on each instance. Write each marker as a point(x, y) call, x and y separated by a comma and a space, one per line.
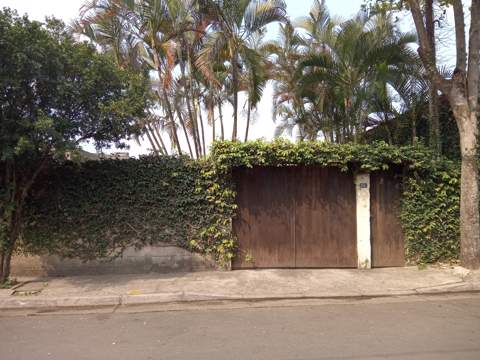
point(263, 126)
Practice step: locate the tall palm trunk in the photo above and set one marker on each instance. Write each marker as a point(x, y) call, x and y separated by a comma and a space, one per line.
point(187, 102)
point(171, 117)
point(220, 115)
point(193, 120)
point(164, 148)
point(248, 121)
point(164, 96)
point(200, 118)
point(211, 116)
point(182, 122)
point(151, 136)
point(235, 95)
point(414, 127)
point(191, 108)
point(152, 143)
point(196, 124)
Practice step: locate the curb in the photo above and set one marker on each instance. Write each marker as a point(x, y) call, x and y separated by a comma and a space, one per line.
point(115, 301)
point(17, 303)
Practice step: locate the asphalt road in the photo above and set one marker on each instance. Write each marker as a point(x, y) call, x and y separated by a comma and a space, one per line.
point(423, 329)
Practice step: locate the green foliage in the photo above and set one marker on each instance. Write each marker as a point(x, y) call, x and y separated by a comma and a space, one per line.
point(98, 208)
point(431, 214)
point(55, 93)
point(376, 156)
point(430, 204)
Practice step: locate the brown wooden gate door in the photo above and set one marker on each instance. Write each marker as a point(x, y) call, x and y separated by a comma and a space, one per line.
point(386, 229)
point(289, 217)
point(264, 223)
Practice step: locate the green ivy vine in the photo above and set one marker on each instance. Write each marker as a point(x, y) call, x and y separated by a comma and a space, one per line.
point(430, 201)
point(98, 208)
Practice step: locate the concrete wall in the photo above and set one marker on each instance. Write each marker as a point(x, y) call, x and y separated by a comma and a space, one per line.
point(159, 259)
point(364, 248)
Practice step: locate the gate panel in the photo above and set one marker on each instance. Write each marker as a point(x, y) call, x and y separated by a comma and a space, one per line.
point(325, 218)
point(264, 221)
point(386, 229)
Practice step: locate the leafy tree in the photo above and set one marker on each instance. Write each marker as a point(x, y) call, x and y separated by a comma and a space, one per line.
point(55, 93)
point(462, 91)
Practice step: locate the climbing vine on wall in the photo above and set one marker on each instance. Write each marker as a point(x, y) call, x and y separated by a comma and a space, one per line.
point(98, 208)
point(430, 201)
point(431, 213)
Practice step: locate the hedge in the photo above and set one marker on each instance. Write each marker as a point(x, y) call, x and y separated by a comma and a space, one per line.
point(98, 208)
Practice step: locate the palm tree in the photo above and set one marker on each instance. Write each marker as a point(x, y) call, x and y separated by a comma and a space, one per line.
point(255, 77)
point(233, 23)
point(155, 28)
point(414, 95)
point(349, 58)
point(105, 23)
point(286, 54)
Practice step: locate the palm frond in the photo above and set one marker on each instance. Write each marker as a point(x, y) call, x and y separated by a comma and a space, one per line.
point(261, 13)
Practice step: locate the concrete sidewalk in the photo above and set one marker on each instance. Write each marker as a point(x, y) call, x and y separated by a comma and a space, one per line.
point(247, 285)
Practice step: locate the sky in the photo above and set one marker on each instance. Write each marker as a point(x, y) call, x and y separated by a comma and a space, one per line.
point(263, 125)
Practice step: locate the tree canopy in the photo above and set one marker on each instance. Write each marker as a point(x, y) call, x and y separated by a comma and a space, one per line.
point(55, 93)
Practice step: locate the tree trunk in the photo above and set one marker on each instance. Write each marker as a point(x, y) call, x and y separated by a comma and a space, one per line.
point(235, 96)
point(211, 116)
point(13, 219)
point(164, 96)
point(162, 144)
point(5, 262)
point(222, 132)
point(414, 128)
point(172, 121)
point(200, 118)
point(435, 140)
point(151, 135)
point(248, 122)
point(13, 234)
point(469, 191)
point(188, 91)
point(462, 91)
point(150, 139)
point(435, 137)
point(193, 120)
point(182, 122)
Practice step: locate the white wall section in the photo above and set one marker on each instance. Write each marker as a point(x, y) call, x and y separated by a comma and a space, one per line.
point(364, 249)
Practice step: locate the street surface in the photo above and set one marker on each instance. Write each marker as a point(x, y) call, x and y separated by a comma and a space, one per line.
point(429, 328)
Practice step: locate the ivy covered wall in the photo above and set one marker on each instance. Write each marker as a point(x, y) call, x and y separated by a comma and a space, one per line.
point(98, 208)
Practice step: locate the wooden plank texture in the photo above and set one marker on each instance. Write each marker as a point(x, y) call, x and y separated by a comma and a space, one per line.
point(295, 217)
point(264, 221)
point(325, 218)
point(387, 234)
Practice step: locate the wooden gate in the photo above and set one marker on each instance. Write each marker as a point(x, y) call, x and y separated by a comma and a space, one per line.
point(386, 229)
point(290, 217)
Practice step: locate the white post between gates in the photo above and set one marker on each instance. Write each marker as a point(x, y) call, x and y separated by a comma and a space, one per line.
point(364, 248)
